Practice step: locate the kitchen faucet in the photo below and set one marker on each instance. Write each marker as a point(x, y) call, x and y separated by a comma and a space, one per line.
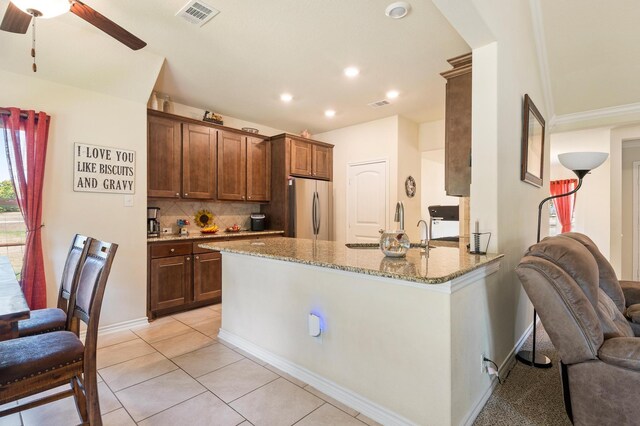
point(424, 241)
point(399, 217)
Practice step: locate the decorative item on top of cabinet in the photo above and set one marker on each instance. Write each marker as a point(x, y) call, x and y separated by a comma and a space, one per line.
point(457, 180)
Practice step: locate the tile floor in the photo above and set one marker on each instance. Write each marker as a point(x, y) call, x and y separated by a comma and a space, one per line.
point(174, 371)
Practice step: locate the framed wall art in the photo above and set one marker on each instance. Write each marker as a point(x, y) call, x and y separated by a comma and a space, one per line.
point(532, 164)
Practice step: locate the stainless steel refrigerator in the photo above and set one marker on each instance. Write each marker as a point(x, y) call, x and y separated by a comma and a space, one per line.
point(311, 209)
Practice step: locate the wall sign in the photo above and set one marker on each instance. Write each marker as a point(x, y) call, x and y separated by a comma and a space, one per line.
point(103, 169)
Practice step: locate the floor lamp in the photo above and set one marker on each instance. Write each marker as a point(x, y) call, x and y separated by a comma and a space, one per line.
point(580, 163)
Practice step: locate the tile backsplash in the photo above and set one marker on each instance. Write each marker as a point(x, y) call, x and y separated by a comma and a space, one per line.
point(224, 214)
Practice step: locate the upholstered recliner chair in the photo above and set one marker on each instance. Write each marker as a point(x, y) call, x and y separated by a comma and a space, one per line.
point(625, 294)
point(599, 351)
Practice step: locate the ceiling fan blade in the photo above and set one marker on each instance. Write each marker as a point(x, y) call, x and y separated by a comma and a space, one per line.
point(105, 24)
point(15, 20)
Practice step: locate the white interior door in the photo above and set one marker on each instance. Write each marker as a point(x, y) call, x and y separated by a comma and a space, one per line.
point(367, 201)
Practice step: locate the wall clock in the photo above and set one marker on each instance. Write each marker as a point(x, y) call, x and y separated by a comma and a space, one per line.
point(410, 186)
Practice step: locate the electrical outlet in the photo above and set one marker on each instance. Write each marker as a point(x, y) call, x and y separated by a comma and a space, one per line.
point(483, 364)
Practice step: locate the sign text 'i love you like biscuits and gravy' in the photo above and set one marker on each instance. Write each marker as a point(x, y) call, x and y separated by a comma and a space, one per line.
point(103, 169)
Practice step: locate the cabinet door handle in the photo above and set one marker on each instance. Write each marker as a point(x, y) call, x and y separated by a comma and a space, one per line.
point(172, 250)
point(188, 258)
point(178, 194)
point(243, 197)
point(197, 257)
point(249, 197)
point(186, 195)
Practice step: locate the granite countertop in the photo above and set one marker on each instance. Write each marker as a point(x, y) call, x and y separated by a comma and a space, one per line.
point(443, 263)
point(218, 235)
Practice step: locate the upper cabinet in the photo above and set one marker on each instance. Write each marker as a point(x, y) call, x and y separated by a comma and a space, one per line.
point(232, 164)
point(164, 157)
point(193, 160)
point(311, 159)
point(258, 169)
point(457, 178)
point(244, 168)
point(198, 162)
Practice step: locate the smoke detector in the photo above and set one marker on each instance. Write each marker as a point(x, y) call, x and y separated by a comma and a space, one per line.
point(197, 12)
point(398, 10)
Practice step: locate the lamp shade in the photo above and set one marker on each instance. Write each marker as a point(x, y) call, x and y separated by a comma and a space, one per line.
point(46, 8)
point(582, 160)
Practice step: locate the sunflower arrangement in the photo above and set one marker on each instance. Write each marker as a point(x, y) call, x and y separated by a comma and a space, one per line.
point(203, 218)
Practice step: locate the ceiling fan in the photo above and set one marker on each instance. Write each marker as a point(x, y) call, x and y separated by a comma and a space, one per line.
point(19, 16)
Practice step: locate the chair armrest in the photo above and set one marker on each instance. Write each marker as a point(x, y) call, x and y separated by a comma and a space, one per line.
point(631, 291)
point(622, 352)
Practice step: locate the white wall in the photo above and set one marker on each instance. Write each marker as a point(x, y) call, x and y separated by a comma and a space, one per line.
point(431, 135)
point(79, 115)
point(593, 205)
point(375, 140)
point(629, 156)
point(409, 164)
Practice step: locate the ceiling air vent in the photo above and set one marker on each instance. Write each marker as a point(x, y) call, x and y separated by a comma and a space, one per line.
point(197, 12)
point(378, 104)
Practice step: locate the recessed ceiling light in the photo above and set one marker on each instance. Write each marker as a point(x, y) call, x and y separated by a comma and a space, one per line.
point(329, 113)
point(286, 97)
point(392, 94)
point(398, 10)
point(351, 72)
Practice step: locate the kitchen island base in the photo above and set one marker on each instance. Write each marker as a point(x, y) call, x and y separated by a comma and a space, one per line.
point(399, 352)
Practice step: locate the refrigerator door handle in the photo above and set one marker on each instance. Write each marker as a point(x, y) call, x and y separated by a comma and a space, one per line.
point(315, 213)
point(318, 214)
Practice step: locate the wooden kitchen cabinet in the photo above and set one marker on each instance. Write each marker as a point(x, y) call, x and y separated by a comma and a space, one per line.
point(198, 162)
point(292, 155)
point(322, 162)
point(170, 282)
point(164, 157)
point(311, 159)
point(457, 180)
point(244, 168)
point(232, 158)
point(207, 276)
point(258, 169)
point(301, 158)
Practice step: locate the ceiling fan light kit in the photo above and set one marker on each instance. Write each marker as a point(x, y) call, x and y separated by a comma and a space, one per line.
point(43, 8)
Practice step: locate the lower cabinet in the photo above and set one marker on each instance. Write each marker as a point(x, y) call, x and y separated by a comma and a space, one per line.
point(181, 278)
point(207, 276)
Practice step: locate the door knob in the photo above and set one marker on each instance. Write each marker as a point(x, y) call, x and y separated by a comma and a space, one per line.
point(172, 250)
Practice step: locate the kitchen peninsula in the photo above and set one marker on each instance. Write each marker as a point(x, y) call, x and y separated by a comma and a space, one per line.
point(401, 340)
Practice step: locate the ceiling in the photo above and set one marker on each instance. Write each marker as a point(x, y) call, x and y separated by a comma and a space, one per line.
point(240, 62)
point(593, 53)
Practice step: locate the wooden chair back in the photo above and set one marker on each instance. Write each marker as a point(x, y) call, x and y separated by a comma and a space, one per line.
point(71, 272)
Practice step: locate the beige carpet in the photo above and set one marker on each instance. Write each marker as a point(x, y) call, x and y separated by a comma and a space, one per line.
point(528, 396)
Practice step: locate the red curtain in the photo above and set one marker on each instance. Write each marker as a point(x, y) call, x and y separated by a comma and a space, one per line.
point(564, 205)
point(26, 135)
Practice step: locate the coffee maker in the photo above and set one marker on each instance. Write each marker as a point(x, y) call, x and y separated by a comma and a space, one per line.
point(153, 224)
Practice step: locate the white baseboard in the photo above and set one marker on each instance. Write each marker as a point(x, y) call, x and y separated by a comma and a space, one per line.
point(346, 396)
point(503, 370)
point(113, 328)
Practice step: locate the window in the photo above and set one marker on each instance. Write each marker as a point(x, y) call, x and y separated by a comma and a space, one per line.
point(12, 226)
